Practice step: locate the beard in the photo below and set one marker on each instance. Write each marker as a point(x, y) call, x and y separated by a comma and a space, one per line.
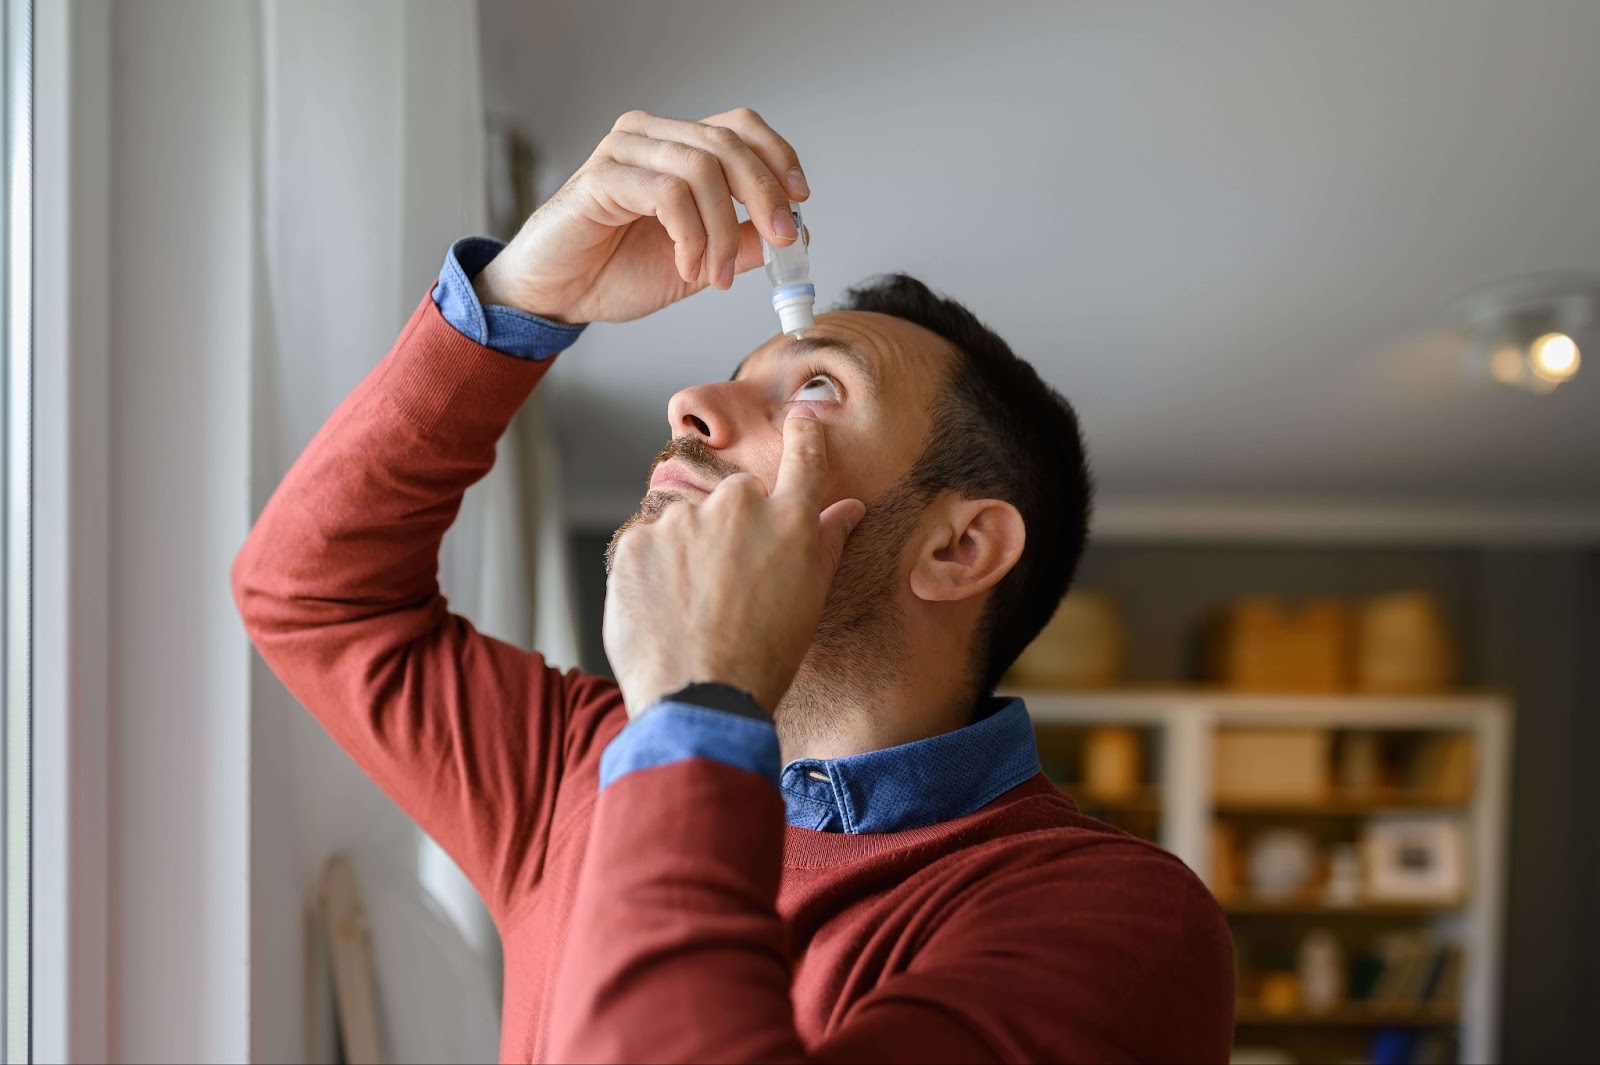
point(692, 452)
point(859, 646)
point(859, 649)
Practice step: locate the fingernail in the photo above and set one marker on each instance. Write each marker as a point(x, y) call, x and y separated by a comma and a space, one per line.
point(725, 275)
point(783, 224)
point(801, 410)
point(797, 183)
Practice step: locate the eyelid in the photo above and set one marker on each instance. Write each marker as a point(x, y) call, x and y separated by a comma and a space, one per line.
point(810, 376)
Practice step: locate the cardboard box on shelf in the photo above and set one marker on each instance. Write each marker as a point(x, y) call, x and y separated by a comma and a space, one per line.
point(1285, 765)
point(1260, 644)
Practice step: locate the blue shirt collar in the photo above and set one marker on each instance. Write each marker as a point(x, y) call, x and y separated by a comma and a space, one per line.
point(915, 784)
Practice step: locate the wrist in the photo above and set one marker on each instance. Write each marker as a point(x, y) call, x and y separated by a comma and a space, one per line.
point(641, 692)
point(495, 285)
point(713, 695)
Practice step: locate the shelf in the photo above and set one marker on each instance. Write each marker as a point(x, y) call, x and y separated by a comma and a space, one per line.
point(1143, 800)
point(1246, 907)
point(1353, 1014)
point(1177, 805)
point(1342, 805)
point(1457, 711)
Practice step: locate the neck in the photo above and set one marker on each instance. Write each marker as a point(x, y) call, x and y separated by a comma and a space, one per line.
point(863, 687)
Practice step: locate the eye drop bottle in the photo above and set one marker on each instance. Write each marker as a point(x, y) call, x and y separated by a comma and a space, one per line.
point(789, 270)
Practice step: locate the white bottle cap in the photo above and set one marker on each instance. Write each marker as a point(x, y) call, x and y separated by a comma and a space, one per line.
point(794, 305)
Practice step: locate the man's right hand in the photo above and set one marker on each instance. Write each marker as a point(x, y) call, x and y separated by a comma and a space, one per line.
point(649, 219)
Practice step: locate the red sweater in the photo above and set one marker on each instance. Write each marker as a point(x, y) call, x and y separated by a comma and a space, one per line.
point(674, 916)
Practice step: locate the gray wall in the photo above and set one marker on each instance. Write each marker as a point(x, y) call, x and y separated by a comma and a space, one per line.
point(1527, 621)
point(1165, 592)
point(1538, 639)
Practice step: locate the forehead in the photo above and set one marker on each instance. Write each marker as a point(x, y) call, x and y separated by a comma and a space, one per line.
point(898, 359)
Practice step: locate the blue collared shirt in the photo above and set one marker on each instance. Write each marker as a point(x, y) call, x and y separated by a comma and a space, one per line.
point(889, 790)
point(505, 329)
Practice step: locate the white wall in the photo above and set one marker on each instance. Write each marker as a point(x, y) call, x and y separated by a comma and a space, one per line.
point(182, 197)
point(373, 166)
point(1229, 232)
point(241, 203)
point(71, 402)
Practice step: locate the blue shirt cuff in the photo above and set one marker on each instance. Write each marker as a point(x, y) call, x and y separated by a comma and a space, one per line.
point(505, 329)
point(671, 732)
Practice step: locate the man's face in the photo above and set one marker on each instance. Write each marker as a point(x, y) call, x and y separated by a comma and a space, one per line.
point(869, 378)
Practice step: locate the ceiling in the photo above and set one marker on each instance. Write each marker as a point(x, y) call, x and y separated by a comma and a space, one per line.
point(1229, 232)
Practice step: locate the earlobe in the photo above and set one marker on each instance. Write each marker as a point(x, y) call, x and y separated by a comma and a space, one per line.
point(970, 551)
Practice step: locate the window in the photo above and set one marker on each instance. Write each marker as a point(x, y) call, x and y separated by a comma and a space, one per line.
point(16, 460)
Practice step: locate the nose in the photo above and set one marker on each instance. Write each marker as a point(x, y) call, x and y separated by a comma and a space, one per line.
point(705, 411)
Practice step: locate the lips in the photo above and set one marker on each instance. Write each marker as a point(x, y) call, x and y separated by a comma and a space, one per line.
point(674, 475)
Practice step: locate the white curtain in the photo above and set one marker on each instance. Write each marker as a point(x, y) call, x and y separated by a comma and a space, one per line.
point(372, 163)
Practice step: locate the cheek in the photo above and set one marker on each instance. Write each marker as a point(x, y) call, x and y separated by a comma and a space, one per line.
point(852, 473)
point(858, 466)
point(760, 457)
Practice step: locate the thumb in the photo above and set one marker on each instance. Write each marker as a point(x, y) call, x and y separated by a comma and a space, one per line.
point(837, 523)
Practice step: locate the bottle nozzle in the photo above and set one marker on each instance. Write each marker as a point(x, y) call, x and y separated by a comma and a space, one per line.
point(794, 303)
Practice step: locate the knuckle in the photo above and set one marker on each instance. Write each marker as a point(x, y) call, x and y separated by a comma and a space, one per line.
point(694, 242)
point(671, 187)
point(769, 185)
point(749, 114)
point(793, 512)
point(722, 136)
point(628, 546)
point(697, 161)
point(630, 118)
point(742, 489)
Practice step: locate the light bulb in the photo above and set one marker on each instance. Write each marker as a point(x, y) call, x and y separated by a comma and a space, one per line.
point(1553, 357)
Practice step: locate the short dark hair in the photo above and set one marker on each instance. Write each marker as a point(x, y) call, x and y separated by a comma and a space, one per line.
point(999, 432)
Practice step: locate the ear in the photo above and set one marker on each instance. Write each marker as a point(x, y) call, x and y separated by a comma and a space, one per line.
point(972, 545)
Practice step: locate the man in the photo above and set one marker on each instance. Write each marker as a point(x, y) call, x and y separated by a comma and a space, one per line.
point(797, 826)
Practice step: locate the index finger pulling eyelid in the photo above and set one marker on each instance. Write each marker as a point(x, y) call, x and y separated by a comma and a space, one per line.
point(804, 465)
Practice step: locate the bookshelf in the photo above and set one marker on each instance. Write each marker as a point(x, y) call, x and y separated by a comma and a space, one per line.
point(1176, 805)
point(1311, 908)
point(1251, 1014)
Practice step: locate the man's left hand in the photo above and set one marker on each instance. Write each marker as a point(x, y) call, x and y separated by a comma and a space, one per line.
point(730, 590)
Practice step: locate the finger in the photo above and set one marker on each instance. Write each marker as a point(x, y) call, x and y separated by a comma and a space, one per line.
point(631, 192)
point(750, 255)
point(835, 527)
point(766, 142)
point(803, 469)
point(750, 179)
point(703, 171)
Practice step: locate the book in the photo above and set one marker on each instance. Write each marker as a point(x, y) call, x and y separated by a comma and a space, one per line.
point(1441, 766)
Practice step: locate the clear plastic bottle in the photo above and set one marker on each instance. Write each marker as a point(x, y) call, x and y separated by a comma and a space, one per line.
point(789, 270)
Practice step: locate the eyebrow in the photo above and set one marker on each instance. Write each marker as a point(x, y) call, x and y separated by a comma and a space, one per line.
point(804, 346)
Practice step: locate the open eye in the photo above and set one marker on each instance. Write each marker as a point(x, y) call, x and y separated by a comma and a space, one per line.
point(819, 389)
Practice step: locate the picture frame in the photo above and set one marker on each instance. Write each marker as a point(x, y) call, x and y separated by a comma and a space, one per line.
point(1414, 858)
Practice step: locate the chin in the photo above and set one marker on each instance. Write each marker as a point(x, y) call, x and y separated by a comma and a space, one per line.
point(651, 507)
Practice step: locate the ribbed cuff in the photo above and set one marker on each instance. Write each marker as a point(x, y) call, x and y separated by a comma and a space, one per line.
point(505, 329)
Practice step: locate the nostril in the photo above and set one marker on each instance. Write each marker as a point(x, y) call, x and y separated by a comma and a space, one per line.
point(699, 426)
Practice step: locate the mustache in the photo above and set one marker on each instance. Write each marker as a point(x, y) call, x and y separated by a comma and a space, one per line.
point(698, 456)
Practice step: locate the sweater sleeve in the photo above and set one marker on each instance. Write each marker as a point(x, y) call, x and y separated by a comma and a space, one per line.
point(338, 587)
point(676, 952)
